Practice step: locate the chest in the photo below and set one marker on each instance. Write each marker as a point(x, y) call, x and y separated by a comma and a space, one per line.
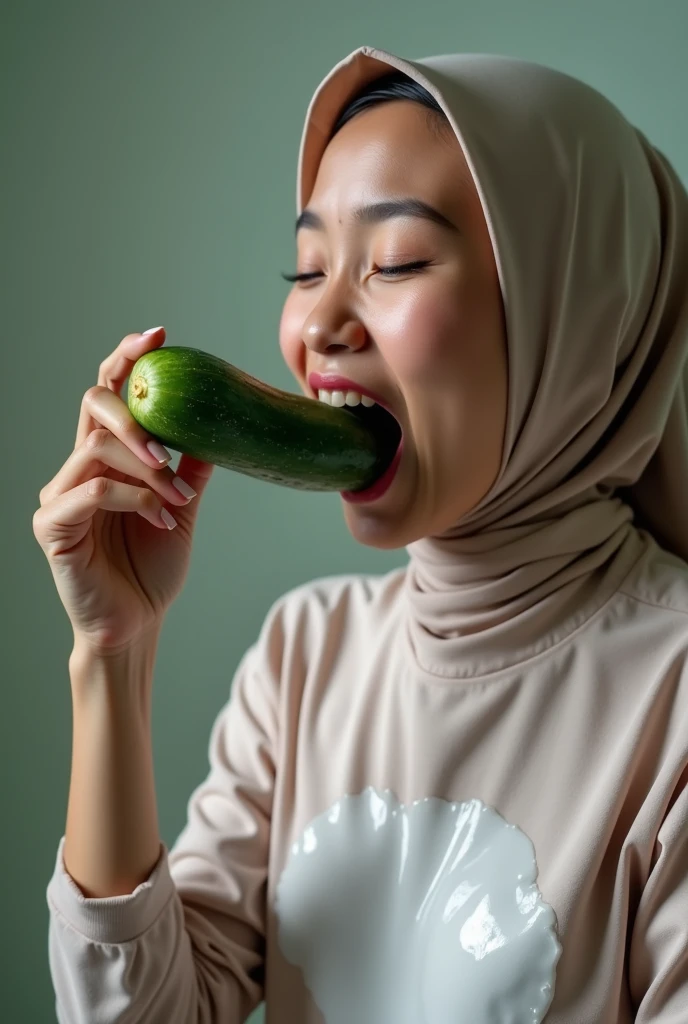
point(438, 851)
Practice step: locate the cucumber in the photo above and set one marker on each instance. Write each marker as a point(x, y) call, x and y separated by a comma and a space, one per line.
point(198, 404)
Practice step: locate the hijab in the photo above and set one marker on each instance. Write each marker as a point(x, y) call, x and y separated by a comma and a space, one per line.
point(589, 227)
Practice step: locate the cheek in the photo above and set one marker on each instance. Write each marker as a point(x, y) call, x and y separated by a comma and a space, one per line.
point(423, 336)
point(440, 336)
point(446, 349)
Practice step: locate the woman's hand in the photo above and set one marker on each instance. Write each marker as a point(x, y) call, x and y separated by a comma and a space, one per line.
point(103, 520)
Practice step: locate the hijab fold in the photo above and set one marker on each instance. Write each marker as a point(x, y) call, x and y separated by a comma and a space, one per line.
point(589, 227)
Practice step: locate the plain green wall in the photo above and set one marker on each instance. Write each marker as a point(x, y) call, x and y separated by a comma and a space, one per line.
point(149, 161)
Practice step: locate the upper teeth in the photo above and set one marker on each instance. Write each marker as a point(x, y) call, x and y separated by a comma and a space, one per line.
point(339, 398)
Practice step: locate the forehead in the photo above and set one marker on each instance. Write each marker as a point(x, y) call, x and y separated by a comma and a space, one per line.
point(391, 148)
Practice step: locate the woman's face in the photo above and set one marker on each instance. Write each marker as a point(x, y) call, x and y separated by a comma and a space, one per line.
point(430, 343)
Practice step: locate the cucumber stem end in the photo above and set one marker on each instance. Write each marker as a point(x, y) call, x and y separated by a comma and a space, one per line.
point(139, 387)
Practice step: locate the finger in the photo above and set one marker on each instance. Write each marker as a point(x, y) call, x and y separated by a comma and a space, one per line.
point(53, 523)
point(195, 472)
point(115, 369)
point(107, 409)
point(102, 451)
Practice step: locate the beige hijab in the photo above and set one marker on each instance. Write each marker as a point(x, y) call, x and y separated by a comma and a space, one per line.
point(589, 225)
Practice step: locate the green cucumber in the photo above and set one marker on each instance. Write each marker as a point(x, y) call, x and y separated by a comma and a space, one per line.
point(200, 405)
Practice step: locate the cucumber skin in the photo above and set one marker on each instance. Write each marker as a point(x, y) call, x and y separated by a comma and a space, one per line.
point(201, 405)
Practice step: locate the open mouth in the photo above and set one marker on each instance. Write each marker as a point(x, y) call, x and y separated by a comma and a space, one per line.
point(388, 428)
point(380, 420)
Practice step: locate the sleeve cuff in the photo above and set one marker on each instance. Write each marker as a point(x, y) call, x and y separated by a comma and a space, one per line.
point(112, 919)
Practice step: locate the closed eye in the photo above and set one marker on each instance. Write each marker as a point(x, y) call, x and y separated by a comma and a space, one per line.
point(400, 268)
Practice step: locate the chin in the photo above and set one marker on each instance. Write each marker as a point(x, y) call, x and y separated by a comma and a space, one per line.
point(377, 529)
point(394, 520)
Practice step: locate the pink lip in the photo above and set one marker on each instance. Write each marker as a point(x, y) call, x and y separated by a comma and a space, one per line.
point(333, 382)
point(380, 486)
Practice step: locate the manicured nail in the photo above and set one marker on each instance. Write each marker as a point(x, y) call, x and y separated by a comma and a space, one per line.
point(169, 521)
point(183, 487)
point(160, 453)
point(151, 330)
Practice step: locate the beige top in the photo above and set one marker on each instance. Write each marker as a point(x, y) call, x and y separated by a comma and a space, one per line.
point(458, 791)
point(375, 842)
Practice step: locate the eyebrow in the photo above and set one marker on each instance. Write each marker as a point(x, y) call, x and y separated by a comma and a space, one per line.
point(375, 213)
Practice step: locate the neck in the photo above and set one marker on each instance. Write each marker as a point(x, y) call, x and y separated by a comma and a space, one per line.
point(480, 603)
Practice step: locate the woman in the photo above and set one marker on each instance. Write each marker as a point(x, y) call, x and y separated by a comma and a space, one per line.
point(456, 791)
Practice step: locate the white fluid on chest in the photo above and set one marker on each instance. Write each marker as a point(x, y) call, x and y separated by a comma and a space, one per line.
point(420, 914)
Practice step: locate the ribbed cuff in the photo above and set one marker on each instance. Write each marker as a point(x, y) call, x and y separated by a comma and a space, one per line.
point(112, 919)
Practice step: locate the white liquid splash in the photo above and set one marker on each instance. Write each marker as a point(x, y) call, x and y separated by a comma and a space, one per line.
point(420, 914)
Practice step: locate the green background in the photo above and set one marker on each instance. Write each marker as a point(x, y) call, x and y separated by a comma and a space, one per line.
point(149, 162)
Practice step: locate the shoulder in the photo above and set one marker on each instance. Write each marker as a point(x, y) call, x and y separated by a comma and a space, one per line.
point(318, 624)
point(325, 619)
point(311, 625)
point(335, 601)
point(645, 639)
point(659, 581)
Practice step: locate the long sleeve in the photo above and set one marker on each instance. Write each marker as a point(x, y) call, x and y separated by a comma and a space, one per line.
point(658, 958)
point(187, 946)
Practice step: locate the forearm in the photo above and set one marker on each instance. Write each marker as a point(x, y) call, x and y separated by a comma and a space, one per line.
point(112, 840)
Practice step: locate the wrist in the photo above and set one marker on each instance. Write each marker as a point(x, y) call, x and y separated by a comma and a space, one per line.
point(124, 670)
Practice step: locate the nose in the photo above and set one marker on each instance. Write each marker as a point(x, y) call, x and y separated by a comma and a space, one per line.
point(323, 333)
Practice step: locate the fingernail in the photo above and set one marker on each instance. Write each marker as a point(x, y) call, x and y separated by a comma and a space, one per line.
point(169, 521)
point(160, 453)
point(151, 330)
point(183, 487)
